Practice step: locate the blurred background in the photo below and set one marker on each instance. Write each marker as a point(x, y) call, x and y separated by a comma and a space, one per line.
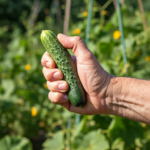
point(28, 120)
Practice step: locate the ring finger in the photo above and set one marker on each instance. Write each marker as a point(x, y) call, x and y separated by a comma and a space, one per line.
point(58, 86)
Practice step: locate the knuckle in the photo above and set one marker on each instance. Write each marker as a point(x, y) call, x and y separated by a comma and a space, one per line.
point(54, 97)
point(51, 86)
point(77, 39)
point(51, 97)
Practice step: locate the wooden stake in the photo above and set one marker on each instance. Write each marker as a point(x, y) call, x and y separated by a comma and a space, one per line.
point(115, 5)
point(67, 15)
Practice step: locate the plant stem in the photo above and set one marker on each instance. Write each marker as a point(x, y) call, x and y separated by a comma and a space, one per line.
point(68, 133)
point(122, 35)
point(106, 5)
point(88, 22)
point(34, 14)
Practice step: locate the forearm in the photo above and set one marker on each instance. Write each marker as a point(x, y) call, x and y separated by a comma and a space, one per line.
point(129, 98)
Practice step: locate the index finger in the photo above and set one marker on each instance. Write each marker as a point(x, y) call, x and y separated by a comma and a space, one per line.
point(47, 61)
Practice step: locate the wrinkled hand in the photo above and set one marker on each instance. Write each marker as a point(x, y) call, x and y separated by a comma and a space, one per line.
point(93, 77)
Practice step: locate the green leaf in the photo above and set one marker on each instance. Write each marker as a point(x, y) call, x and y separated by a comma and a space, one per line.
point(56, 142)
point(33, 62)
point(15, 143)
point(8, 85)
point(79, 127)
point(93, 47)
point(20, 52)
point(118, 144)
point(94, 140)
point(7, 62)
point(6, 102)
point(44, 113)
point(126, 130)
point(106, 48)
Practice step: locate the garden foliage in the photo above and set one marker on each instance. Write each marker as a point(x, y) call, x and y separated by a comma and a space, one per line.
point(25, 110)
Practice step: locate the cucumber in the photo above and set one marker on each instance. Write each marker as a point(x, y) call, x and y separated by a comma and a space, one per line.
point(65, 63)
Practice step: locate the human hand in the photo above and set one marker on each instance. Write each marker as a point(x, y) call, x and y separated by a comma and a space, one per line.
point(93, 78)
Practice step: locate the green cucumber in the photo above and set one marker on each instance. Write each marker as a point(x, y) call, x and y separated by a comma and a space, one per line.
point(65, 63)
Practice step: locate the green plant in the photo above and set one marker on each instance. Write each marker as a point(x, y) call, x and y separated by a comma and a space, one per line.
point(15, 143)
point(25, 110)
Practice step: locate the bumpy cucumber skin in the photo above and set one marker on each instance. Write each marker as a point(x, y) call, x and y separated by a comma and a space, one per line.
point(65, 63)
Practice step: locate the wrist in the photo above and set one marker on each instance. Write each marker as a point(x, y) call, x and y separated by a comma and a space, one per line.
point(105, 94)
point(110, 96)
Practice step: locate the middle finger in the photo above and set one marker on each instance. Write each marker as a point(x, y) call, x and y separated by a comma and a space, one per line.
point(52, 74)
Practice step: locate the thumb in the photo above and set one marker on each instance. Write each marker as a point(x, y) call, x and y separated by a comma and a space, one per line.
point(76, 44)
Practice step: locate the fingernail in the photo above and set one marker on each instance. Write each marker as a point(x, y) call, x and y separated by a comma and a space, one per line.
point(61, 86)
point(62, 35)
point(65, 97)
point(56, 75)
point(48, 64)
